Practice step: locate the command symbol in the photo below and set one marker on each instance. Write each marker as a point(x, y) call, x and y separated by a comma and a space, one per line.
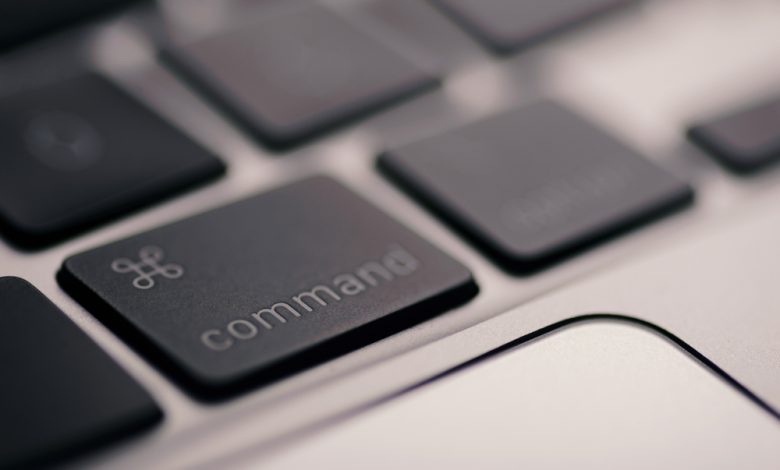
point(147, 267)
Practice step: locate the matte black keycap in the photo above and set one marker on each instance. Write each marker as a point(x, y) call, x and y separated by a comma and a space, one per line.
point(534, 184)
point(60, 394)
point(260, 288)
point(292, 76)
point(80, 151)
point(509, 25)
point(744, 141)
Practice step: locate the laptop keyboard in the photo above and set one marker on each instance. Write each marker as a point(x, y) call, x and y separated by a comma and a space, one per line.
point(236, 297)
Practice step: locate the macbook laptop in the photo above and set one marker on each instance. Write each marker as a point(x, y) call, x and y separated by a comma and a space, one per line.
point(389, 234)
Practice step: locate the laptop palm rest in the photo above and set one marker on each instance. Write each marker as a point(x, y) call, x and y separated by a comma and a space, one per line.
point(594, 394)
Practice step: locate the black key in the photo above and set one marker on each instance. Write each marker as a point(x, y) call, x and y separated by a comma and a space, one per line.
point(61, 393)
point(506, 26)
point(534, 184)
point(744, 141)
point(265, 286)
point(292, 77)
point(79, 152)
point(25, 19)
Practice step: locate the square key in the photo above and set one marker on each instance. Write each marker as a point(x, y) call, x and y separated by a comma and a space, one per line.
point(266, 286)
point(534, 184)
point(291, 77)
point(61, 394)
point(744, 141)
point(80, 151)
point(509, 25)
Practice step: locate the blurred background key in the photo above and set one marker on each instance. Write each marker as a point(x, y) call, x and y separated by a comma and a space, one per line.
point(506, 26)
point(25, 19)
point(744, 141)
point(291, 77)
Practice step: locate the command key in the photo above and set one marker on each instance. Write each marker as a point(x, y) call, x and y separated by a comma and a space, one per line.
point(266, 286)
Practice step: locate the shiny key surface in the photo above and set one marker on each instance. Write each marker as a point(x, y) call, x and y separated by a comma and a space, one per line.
point(265, 286)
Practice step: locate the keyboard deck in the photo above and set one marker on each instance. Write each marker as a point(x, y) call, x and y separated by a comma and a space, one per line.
point(424, 82)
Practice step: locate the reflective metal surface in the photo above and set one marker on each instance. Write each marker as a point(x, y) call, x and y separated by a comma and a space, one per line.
point(595, 395)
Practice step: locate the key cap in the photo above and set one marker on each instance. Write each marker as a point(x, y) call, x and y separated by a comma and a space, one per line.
point(26, 19)
point(534, 184)
point(79, 152)
point(265, 286)
point(61, 393)
point(291, 77)
point(506, 26)
point(745, 141)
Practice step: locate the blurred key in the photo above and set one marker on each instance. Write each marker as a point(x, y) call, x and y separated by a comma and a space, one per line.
point(61, 394)
point(534, 184)
point(80, 151)
point(266, 286)
point(23, 20)
point(291, 77)
point(744, 141)
point(509, 25)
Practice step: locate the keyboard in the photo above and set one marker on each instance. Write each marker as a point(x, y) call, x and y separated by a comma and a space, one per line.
point(216, 215)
